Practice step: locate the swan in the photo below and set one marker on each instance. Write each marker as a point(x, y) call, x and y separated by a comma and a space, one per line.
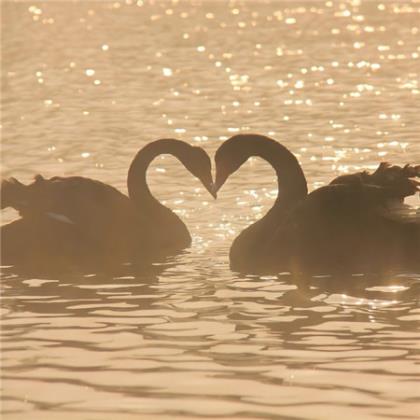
point(351, 224)
point(84, 219)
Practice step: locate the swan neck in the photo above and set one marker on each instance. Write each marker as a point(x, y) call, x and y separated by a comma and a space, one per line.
point(291, 180)
point(138, 190)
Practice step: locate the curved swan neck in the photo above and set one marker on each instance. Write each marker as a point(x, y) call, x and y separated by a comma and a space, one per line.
point(138, 190)
point(250, 247)
point(290, 177)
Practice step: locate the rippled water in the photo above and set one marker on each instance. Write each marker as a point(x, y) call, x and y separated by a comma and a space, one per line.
point(85, 85)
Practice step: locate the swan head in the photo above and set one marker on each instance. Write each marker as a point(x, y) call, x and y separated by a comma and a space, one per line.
point(230, 156)
point(198, 163)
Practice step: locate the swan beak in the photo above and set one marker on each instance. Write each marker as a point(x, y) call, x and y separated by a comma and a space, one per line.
point(213, 191)
point(218, 184)
point(210, 188)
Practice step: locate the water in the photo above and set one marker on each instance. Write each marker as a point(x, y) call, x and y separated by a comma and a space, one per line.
point(85, 85)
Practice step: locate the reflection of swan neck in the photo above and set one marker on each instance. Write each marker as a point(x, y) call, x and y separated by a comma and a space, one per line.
point(138, 190)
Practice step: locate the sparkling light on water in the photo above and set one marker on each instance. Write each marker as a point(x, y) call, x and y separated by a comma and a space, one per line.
point(86, 85)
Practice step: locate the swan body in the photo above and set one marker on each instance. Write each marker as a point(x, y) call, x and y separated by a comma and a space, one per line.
point(349, 225)
point(88, 221)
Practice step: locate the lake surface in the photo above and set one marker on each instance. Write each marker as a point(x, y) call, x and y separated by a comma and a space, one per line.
point(85, 85)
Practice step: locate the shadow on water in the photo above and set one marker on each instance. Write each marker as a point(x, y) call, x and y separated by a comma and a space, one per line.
point(76, 291)
point(145, 336)
point(289, 306)
point(52, 291)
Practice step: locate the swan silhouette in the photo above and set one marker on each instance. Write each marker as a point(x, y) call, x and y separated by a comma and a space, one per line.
point(355, 223)
point(87, 221)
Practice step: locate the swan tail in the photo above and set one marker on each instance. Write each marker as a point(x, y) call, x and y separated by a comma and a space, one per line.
point(13, 194)
point(399, 181)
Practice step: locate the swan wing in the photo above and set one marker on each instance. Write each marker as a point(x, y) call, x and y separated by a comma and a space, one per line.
point(74, 200)
point(399, 180)
point(347, 224)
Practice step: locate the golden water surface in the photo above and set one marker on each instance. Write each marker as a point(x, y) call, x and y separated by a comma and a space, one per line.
point(86, 84)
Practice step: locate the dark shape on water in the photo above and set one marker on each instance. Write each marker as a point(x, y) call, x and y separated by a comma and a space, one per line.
point(357, 223)
point(77, 220)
